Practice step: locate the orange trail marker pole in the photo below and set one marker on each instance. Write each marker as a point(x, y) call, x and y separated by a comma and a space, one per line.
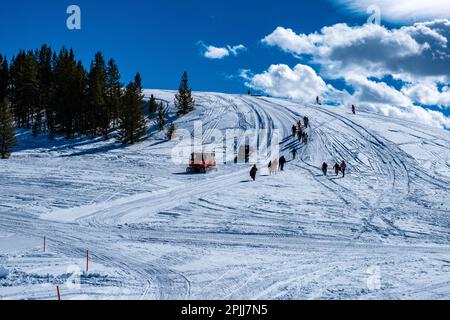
point(59, 294)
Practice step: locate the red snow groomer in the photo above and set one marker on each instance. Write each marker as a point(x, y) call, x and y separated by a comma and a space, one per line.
point(201, 162)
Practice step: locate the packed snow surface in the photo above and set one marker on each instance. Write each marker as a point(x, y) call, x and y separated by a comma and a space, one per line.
point(154, 232)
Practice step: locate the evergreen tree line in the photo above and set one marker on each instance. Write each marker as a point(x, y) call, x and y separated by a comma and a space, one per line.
point(54, 93)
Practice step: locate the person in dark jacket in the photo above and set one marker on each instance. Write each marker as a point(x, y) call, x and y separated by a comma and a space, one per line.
point(337, 168)
point(294, 131)
point(294, 153)
point(282, 162)
point(343, 168)
point(253, 172)
point(306, 120)
point(300, 135)
point(305, 138)
point(325, 169)
point(353, 109)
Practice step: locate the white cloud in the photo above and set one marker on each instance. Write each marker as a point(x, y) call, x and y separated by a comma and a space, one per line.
point(371, 92)
point(289, 41)
point(280, 80)
point(417, 51)
point(212, 52)
point(235, 50)
point(218, 53)
point(402, 10)
point(428, 94)
point(417, 56)
point(412, 113)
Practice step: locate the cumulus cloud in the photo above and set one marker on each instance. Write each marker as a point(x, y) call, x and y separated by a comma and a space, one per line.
point(417, 57)
point(218, 53)
point(280, 80)
point(401, 10)
point(412, 113)
point(371, 92)
point(212, 52)
point(416, 51)
point(428, 94)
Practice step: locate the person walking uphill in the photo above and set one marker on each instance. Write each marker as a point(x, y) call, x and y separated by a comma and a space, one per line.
point(300, 135)
point(325, 169)
point(253, 172)
point(282, 162)
point(343, 168)
point(337, 169)
point(294, 154)
point(306, 120)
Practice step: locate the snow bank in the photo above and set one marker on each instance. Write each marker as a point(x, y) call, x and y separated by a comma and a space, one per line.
point(3, 273)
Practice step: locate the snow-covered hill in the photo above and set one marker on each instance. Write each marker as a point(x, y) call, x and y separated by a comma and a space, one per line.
point(156, 233)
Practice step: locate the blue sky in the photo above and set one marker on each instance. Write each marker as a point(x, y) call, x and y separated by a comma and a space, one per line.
point(399, 65)
point(160, 38)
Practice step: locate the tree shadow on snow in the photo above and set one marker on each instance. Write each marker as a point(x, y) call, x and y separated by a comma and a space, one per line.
point(92, 151)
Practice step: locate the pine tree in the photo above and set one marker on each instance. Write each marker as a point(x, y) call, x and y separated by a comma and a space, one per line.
point(152, 105)
point(79, 96)
point(45, 77)
point(4, 77)
point(51, 110)
point(25, 88)
point(161, 120)
point(68, 93)
point(99, 115)
point(7, 132)
point(138, 84)
point(131, 116)
point(184, 100)
point(113, 91)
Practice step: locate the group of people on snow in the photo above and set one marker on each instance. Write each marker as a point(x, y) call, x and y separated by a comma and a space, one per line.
point(338, 168)
point(299, 131)
point(277, 165)
point(274, 167)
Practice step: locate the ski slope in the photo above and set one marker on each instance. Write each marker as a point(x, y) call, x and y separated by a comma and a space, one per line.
point(156, 233)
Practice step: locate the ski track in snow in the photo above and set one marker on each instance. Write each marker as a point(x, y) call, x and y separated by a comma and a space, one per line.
point(155, 233)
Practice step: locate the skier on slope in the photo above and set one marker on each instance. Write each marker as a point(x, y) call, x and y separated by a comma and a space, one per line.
point(325, 169)
point(353, 109)
point(337, 168)
point(253, 172)
point(282, 162)
point(294, 131)
point(343, 168)
point(318, 101)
